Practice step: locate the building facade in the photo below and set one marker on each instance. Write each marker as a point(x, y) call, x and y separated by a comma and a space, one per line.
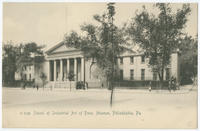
point(61, 60)
point(134, 66)
point(27, 73)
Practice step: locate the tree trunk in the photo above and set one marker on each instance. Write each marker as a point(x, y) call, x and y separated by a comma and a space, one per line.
point(160, 74)
point(111, 97)
point(111, 86)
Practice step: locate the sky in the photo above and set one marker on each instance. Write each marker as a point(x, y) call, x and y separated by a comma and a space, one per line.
point(47, 23)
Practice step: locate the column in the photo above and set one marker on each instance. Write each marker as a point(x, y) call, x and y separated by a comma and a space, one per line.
point(82, 69)
point(61, 70)
point(49, 79)
point(54, 70)
point(68, 67)
point(75, 69)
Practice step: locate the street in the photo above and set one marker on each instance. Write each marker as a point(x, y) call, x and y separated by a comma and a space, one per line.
point(156, 109)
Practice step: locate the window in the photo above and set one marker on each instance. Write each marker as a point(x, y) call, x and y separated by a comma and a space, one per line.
point(25, 77)
point(25, 68)
point(121, 74)
point(131, 74)
point(121, 60)
point(29, 67)
point(142, 59)
point(154, 76)
point(142, 74)
point(167, 73)
point(29, 76)
point(131, 59)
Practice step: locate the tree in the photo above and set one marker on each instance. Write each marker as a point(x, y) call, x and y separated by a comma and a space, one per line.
point(9, 62)
point(102, 43)
point(158, 36)
point(189, 50)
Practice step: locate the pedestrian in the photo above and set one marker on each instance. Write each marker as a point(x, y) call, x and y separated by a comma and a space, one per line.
point(37, 87)
point(86, 85)
point(174, 84)
point(24, 85)
point(33, 83)
point(150, 86)
point(102, 85)
point(169, 84)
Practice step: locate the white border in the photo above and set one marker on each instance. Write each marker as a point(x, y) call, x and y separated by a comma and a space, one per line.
point(138, 1)
point(124, 1)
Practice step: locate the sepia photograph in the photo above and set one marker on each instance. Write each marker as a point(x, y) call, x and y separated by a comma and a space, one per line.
point(100, 65)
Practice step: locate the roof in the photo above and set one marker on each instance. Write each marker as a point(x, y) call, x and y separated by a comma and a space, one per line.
point(54, 47)
point(135, 50)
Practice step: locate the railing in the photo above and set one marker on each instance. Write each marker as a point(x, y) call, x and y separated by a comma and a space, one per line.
point(135, 84)
point(95, 85)
point(138, 84)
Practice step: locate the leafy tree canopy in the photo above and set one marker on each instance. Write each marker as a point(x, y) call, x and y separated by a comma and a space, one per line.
point(189, 54)
point(30, 54)
point(102, 42)
point(158, 36)
point(15, 57)
point(8, 62)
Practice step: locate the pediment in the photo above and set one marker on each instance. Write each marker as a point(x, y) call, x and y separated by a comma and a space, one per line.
point(59, 48)
point(62, 48)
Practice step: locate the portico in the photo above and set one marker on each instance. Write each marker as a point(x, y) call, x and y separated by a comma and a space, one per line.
point(62, 60)
point(60, 68)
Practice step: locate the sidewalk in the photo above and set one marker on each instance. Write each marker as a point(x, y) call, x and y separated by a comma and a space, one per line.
point(183, 90)
point(144, 91)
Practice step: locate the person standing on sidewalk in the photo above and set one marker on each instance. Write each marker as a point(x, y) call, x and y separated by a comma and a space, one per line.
point(150, 86)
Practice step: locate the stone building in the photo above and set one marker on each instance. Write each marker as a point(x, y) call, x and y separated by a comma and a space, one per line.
point(60, 60)
point(28, 73)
